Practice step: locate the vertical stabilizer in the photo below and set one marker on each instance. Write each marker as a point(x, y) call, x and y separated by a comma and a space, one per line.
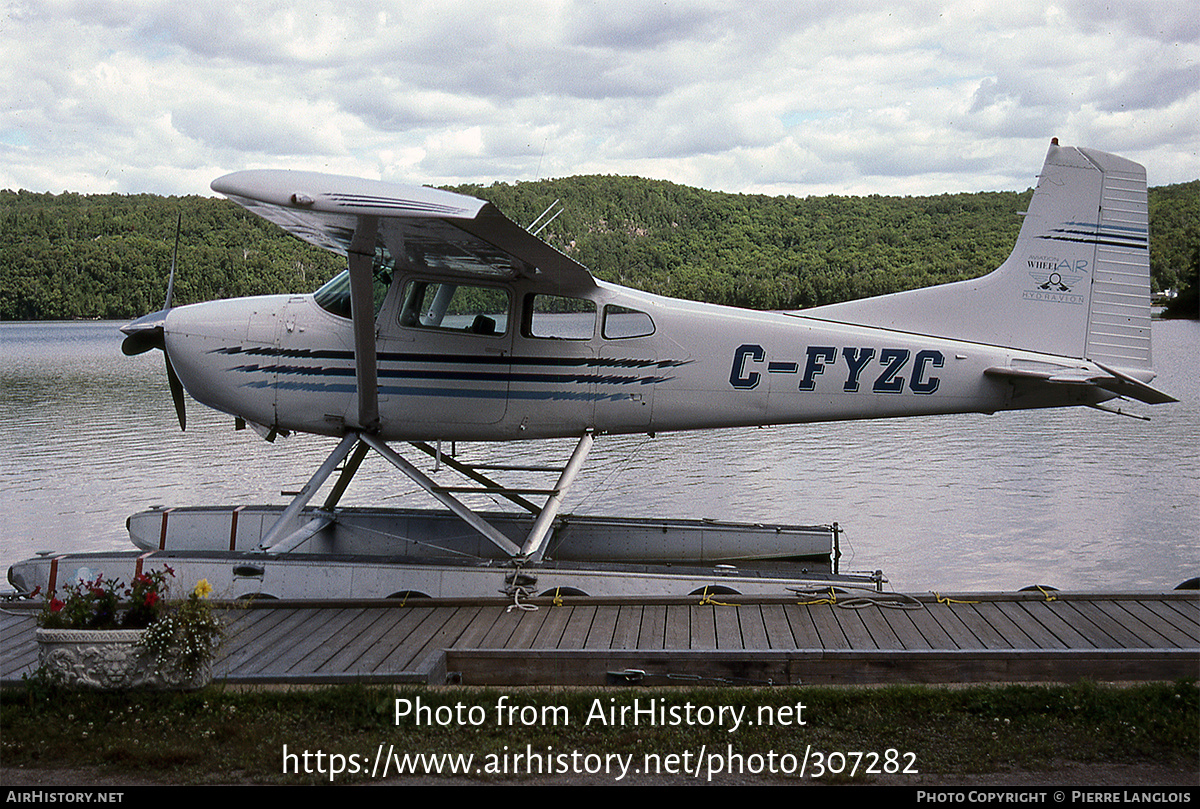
point(1077, 283)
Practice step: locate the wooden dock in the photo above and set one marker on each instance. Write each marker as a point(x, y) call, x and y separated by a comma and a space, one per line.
point(807, 639)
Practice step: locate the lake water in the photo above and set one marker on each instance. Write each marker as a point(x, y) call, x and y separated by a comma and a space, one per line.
point(1076, 499)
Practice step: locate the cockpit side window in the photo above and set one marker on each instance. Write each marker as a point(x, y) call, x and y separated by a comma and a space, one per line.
point(334, 296)
point(621, 323)
point(559, 318)
point(455, 307)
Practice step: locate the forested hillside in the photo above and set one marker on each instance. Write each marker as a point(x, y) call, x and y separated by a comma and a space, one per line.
point(107, 256)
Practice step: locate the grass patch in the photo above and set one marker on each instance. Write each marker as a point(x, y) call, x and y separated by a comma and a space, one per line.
point(226, 735)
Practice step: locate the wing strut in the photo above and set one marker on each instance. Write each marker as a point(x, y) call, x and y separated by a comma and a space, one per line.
point(362, 308)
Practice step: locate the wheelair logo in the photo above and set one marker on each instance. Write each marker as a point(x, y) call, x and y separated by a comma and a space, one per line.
point(1055, 280)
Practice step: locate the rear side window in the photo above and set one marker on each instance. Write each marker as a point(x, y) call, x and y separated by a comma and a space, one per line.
point(559, 318)
point(620, 323)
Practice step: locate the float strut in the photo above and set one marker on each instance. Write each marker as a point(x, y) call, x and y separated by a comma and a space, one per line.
point(534, 544)
point(421, 479)
point(315, 482)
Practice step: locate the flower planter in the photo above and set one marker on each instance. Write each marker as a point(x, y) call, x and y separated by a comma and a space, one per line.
point(108, 659)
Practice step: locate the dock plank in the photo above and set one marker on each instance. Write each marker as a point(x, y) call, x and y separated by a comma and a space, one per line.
point(777, 627)
point(1179, 620)
point(704, 627)
point(1129, 615)
point(405, 654)
point(399, 623)
point(654, 627)
point(1110, 632)
point(628, 626)
point(528, 625)
point(677, 631)
point(956, 630)
point(751, 626)
point(267, 647)
point(578, 626)
point(362, 633)
point(17, 625)
point(450, 631)
point(603, 629)
point(814, 627)
point(503, 627)
point(994, 614)
point(851, 624)
point(1052, 617)
point(317, 636)
point(882, 634)
point(926, 632)
point(727, 629)
point(481, 627)
point(549, 635)
point(245, 630)
point(980, 634)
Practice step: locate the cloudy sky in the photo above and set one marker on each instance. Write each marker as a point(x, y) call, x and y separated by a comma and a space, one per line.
point(853, 97)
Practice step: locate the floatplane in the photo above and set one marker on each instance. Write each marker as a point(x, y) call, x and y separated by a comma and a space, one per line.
point(451, 323)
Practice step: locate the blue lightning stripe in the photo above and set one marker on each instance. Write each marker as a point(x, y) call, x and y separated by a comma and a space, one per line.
point(590, 371)
point(453, 393)
point(1108, 235)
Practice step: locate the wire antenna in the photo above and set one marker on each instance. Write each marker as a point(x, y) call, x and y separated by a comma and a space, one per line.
point(548, 221)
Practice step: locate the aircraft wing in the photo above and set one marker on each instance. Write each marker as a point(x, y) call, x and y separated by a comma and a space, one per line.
point(426, 229)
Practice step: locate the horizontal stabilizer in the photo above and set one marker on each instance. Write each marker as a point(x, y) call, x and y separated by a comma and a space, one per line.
point(1110, 380)
point(1125, 385)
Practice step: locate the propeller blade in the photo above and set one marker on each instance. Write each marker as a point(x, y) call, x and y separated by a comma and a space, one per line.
point(176, 391)
point(149, 331)
point(174, 257)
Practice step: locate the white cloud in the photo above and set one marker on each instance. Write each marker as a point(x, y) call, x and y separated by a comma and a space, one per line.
point(919, 97)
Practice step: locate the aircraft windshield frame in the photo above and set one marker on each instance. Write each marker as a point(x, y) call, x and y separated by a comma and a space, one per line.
point(334, 295)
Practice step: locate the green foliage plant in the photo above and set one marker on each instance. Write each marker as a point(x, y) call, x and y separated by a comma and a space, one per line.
point(188, 636)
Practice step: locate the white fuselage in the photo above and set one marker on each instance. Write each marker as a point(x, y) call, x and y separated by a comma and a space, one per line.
point(286, 362)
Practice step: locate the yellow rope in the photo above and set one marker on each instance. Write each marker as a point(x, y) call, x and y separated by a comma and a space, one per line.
point(941, 599)
point(707, 599)
point(558, 602)
point(831, 600)
point(1046, 593)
